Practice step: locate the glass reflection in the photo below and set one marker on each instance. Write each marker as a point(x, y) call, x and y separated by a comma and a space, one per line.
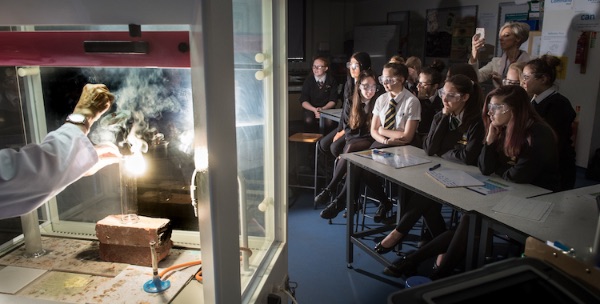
point(153, 106)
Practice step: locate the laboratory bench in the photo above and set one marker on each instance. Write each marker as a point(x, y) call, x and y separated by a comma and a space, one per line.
point(72, 272)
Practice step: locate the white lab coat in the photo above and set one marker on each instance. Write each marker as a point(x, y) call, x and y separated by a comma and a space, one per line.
point(37, 172)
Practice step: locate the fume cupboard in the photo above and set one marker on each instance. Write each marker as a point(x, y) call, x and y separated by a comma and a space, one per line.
point(204, 82)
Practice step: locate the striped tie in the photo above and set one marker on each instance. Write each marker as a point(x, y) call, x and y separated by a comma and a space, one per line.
point(390, 115)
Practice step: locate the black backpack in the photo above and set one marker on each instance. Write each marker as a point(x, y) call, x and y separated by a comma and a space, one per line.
point(593, 169)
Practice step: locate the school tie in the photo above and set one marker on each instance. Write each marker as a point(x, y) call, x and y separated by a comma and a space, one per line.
point(390, 115)
point(454, 122)
point(320, 83)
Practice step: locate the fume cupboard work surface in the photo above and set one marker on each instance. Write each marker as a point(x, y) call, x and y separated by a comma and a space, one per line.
point(72, 272)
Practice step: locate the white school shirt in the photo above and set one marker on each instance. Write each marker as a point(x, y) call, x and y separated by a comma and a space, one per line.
point(37, 172)
point(408, 108)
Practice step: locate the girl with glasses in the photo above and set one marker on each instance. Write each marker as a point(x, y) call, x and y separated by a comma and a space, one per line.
point(538, 79)
point(519, 145)
point(461, 144)
point(319, 92)
point(333, 143)
point(356, 138)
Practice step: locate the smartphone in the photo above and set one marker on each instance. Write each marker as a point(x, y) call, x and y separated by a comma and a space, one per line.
point(481, 32)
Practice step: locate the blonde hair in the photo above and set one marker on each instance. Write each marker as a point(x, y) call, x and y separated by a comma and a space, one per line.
point(519, 29)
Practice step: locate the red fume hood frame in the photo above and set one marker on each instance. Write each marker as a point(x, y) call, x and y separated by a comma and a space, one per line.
point(66, 49)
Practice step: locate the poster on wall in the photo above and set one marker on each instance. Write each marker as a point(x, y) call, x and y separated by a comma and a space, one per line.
point(452, 27)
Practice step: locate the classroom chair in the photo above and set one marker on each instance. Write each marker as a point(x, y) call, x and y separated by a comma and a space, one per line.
point(312, 139)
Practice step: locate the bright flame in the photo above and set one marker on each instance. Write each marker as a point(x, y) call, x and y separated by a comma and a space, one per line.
point(135, 164)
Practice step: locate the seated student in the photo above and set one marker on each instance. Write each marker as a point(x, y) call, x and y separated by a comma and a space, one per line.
point(538, 79)
point(413, 64)
point(395, 119)
point(357, 126)
point(514, 75)
point(334, 141)
point(397, 59)
point(430, 80)
point(519, 146)
point(456, 134)
point(319, 92)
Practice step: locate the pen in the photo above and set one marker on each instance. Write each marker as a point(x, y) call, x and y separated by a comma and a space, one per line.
point(435, 167)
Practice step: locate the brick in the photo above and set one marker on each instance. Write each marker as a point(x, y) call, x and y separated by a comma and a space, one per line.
point(135, 255)
point(111, 231)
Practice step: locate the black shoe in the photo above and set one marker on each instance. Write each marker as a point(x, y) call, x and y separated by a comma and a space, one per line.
point(381, 249)
point(333, 209)
point(380, 214)
point(402, 267)
point(323, 197)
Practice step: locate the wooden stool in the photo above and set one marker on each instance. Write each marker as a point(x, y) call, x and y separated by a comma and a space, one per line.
point(307, 138)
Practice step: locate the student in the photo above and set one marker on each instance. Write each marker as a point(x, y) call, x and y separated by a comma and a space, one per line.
point(413, 64)
point(390, 126)
point(319, 92)
point(430, 80)
point(334, 141)
point(37, 172)
point(356, 133)
point(538, 79)
point(460, 142)
point(397, 59)
point(514, 76)
point(400, 128)
point(519, 146)
point(512, 35)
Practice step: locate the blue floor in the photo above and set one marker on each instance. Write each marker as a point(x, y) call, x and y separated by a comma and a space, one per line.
point(317, 262)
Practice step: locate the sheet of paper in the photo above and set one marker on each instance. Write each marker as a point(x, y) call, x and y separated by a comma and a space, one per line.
point(454, 178)
point(490, 186)
point(530, 209)
point(397, 160)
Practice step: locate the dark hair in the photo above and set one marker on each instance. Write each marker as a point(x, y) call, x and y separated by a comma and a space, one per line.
point(545, 65)
point(364, 62)
point(463, 69)
point(357, 115)
point(523, 116)
point(472, 109)
point(436, 76)
point(438, 65)
point(397, 69)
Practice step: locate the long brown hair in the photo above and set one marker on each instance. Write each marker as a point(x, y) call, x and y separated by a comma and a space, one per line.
point(524, 116)
point(357, 116)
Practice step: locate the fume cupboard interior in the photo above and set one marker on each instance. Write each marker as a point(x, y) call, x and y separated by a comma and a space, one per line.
point(167, 90)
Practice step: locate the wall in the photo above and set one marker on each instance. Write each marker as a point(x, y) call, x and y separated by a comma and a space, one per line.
point(369, 12)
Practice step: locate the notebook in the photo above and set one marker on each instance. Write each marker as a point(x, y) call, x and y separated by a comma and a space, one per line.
point(454, 178)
